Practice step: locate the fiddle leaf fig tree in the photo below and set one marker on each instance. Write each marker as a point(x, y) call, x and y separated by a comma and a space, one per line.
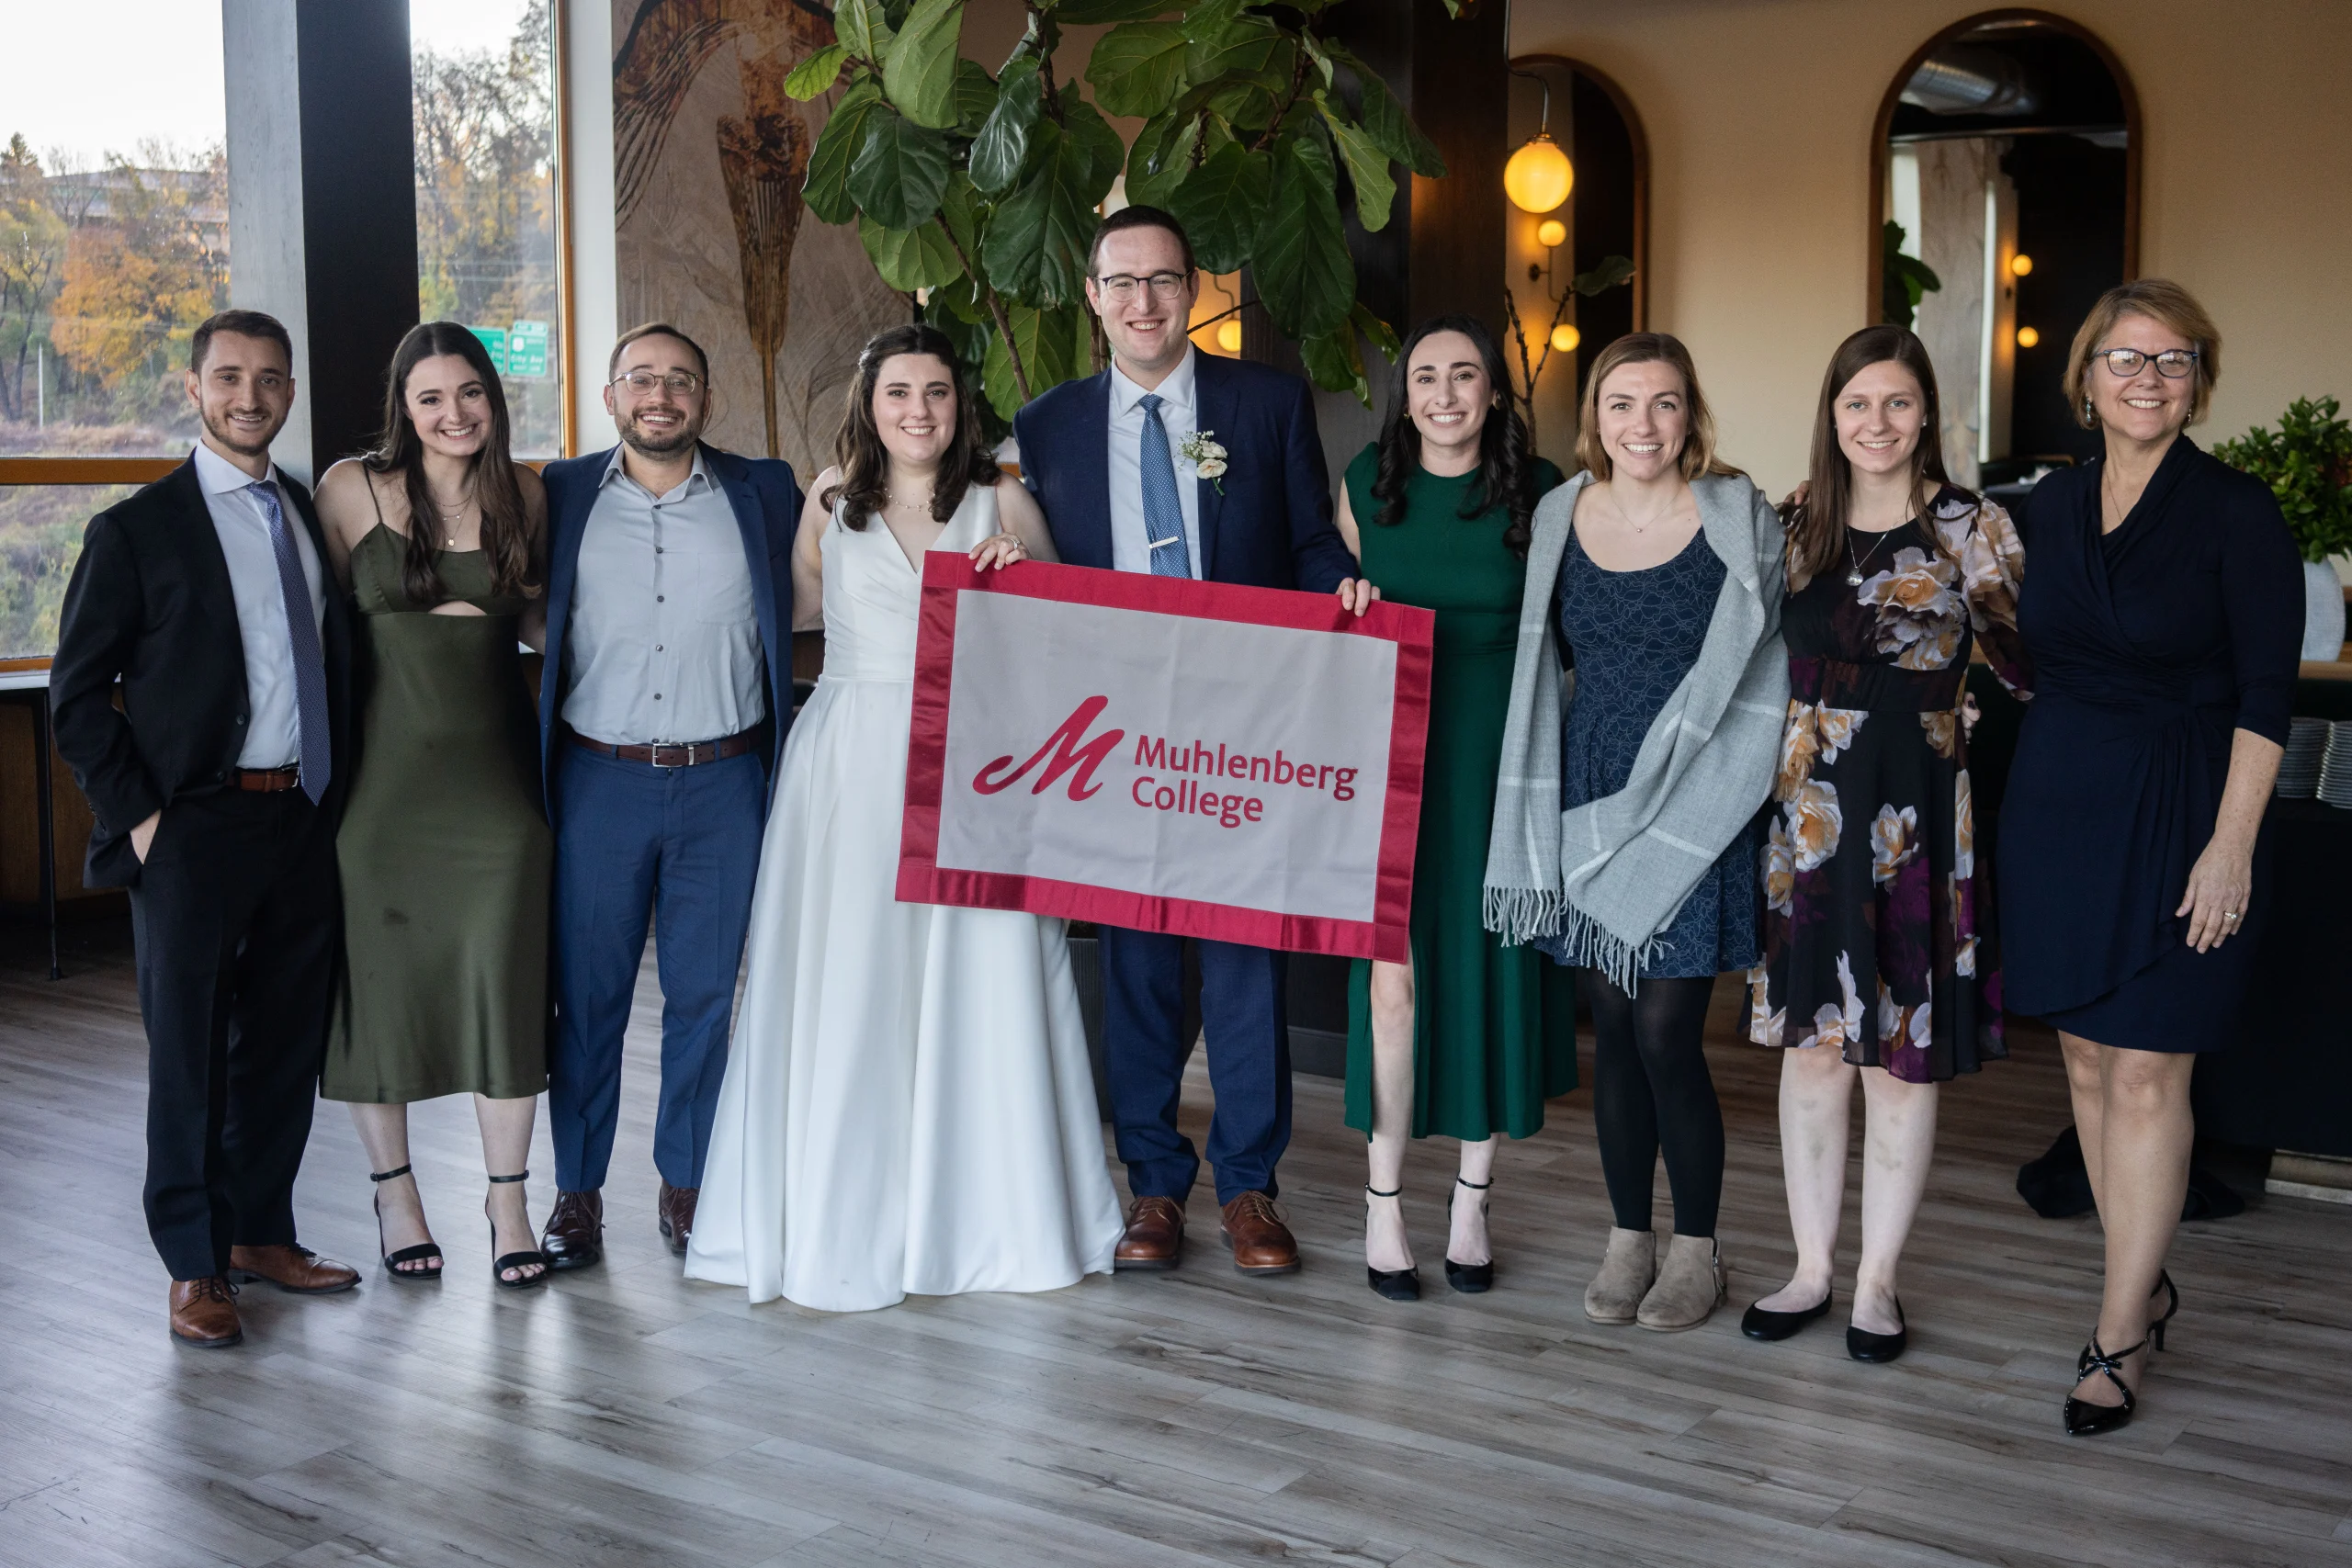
point(980, 191)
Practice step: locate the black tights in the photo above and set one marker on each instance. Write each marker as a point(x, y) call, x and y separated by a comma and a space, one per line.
point(1651, 1090)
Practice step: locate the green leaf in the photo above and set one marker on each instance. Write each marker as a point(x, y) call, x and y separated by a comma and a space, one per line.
point(1319, 55)
point(1054, 348)
point(1037, 243)
point(921, 74)
point(1002, 145)
point(1208, 21)
point(1139, 69)
point(975, 96)
point(1222, 205)
point(899, 175)
point(1244, 103)
point(1382, 335)
point(1367, 167)
point(1606, 275)
point(1089, 12)
point(1162, 156)
point(961, 300)
point(959, 204)
point(909, 259)
point(1300, 260)
point(1243, 46)
point(863, 30)
point(817, 73)
point(1104, 152)
point(1334, 362)
point(1385, 119)
point(826, 189)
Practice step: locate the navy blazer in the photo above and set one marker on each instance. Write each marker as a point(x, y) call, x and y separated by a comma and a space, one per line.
point(1269, 526)
point(766, 499)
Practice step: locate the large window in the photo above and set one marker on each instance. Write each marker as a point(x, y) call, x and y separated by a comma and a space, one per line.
point(487, 203)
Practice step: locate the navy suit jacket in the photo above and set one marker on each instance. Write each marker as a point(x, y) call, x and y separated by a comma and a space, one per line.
point(1270, 526)
point(766, 499)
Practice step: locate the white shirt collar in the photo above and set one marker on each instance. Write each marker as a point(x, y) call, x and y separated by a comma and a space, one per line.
point(219, 477)
point(613, 466)
point(1176, 390)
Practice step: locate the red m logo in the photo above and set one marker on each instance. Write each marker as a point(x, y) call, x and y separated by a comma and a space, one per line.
point(1061, 752)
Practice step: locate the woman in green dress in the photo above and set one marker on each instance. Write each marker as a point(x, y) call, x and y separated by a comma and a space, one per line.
point(444, 849)
point(1472, 1037)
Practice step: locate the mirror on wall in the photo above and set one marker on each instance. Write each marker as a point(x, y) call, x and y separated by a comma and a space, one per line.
point(1574, 267)
point(2005, 198)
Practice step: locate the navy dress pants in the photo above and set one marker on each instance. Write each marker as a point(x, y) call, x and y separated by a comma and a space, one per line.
point(679, 848)
point(1242, 1017)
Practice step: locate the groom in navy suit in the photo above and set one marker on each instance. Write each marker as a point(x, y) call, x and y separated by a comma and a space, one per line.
point(1105, 458)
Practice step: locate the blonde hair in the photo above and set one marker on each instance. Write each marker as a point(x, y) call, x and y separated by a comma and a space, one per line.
point(2161, 301)
point(1698, 454)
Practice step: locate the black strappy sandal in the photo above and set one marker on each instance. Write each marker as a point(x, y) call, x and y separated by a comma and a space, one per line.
point(1392, 1284)
point(417, 1254)
point(2085, 1419)
point(499, 1265)
point(2157, 1328)
point(1470, 1279)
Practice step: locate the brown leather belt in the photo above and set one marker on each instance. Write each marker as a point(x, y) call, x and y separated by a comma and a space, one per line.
point(672, 753)
point(269, 780)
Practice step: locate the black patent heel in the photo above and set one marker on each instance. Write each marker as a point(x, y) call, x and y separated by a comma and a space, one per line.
point(422, 1252)
point(2157, 1328)
point(2085, 1419)
point(1392, 1284)
point(499, 1265)
point(1470, 1279)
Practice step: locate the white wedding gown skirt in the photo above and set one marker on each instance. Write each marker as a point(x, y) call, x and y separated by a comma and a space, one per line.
point(908, 1107)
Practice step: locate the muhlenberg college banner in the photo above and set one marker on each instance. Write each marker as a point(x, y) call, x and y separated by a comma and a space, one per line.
point(1236, 763)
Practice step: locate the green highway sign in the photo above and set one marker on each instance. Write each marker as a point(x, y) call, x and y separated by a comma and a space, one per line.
point(527, 349)
point(494, 340)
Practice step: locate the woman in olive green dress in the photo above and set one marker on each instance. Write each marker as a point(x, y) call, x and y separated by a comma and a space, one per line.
point(1473, 1037)
point(444, 849)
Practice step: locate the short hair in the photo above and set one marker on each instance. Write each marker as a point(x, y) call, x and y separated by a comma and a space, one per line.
point(655, 329)
point(1137, 217)
point(1698, 454)
point(2159, 299)
point(244, 323)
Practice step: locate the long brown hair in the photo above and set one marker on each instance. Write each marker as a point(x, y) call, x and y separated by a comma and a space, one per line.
point(1698, 456)
point(866, 462)
point(505, 522)
point(1817, 529)
point(1504, 468)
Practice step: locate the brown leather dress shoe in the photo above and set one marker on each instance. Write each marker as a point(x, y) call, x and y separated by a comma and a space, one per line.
point(1155, 1235)
point(204, 1314)
point(575, 1232)
point(1261, 1243)
point(290, 1268)
point(675, 1209)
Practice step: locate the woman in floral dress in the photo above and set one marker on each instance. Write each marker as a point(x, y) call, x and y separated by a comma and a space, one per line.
point(1876, 964)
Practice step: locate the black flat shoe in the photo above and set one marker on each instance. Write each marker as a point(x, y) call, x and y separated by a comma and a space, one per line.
point(2085, 1419)
point(425, 1252)
point(1392, 1284)
point(1759, 1323)
point(1864, 1345)
point(499, 1265)
point(1470, 1279)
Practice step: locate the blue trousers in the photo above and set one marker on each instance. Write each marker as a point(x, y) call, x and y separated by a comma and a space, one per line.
point(679, 847)
point(1243, 1018)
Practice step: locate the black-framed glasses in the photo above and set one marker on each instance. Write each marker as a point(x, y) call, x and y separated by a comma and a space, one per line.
point(2172, 364)
point(1121, 287)
point(681, 383)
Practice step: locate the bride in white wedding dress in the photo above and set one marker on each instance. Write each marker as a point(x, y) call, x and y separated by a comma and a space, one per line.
point(908, 1108)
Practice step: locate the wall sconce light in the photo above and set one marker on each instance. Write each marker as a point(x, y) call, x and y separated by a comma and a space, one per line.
point(2020, 264)
point(1539, 175)
point(1565, 338)
point(2028, 337)
point(1551, 233)
point(1228, 334)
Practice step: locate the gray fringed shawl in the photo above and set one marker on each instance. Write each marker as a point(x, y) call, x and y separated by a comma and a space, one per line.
point(1609, 876)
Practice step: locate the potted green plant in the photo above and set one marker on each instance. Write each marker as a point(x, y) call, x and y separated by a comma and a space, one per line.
point(2307, 463)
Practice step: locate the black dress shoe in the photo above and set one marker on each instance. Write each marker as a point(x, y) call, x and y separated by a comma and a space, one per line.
point(1396, 1284)
point(1759, 1324)
point(575, 1234)
point(1864, 1345)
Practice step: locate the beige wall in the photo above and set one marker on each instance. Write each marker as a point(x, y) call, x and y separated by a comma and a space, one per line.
point(1760, 113)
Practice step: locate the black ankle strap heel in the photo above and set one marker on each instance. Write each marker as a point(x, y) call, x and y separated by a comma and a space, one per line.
point(425, 1252)
point(1470, 1279)
point(535, 1260)
point(1392, 1284)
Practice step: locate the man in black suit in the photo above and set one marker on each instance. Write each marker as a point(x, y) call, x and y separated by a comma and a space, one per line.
point(216, 785)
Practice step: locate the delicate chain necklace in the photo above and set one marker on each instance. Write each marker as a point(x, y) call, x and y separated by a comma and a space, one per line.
point(450, 519)
point(1854, 572)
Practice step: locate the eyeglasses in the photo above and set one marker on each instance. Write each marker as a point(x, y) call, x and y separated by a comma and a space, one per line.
point(2172, 365)
point(681, 383)
point(1120, 286)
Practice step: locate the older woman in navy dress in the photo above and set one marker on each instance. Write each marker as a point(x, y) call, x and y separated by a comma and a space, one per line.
point(2163, 616)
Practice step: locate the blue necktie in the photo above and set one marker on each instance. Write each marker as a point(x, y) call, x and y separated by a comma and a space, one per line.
point(302, 632)
point(1163, 514)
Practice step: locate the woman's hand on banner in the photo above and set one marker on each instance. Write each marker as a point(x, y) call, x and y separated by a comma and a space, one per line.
point(999, 550)
point(1358, 595)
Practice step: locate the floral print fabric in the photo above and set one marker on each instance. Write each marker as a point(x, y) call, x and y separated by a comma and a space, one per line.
point(1872, 941)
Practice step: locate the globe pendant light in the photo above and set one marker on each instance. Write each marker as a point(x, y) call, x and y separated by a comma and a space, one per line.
point(1539, 175)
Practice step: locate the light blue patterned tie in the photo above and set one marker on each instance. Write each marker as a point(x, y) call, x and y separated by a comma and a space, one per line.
point(1163, 514)
point(302, 632)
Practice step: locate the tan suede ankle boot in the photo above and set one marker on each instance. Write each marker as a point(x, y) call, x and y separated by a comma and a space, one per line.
point(1627, 1271)
point(1690, 1285)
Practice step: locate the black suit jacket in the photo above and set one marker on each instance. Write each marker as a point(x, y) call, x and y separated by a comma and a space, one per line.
point(150, 605)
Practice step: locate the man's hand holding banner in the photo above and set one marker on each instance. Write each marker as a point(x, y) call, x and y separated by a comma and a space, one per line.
point(1236, 763)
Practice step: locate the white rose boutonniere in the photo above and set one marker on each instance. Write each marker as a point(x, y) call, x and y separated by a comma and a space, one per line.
point(1206, 457)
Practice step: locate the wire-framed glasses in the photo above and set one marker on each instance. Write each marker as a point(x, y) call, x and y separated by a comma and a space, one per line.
point(2172, 364)
point(1121, 287)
